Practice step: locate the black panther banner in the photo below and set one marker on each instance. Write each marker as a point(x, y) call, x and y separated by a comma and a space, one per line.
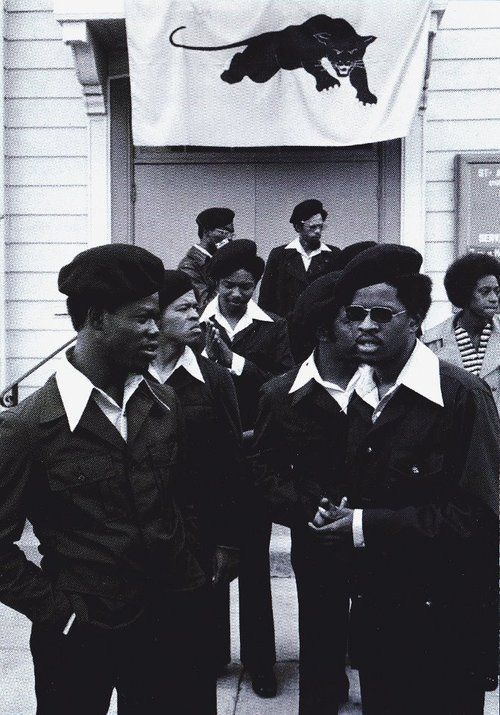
point(275, 72)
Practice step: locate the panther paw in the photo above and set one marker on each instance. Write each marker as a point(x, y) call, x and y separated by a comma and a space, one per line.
point(327, 83)
point(367, 98)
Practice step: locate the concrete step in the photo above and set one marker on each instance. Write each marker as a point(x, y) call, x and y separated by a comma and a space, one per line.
point(280, 552)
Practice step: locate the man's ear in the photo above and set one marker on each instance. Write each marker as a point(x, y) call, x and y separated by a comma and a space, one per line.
point(95, 318)
point(416, 324)
point(324, 334)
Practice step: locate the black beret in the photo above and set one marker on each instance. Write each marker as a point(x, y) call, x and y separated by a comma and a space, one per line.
point(113, 274)
point(176, 283)
point(306, 209)
point(214, 218)
point(241, 253)
point(315, 305)
point(349, 252)
point(380, 264)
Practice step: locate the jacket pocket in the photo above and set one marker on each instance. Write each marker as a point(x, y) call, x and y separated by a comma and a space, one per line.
point(88, 488)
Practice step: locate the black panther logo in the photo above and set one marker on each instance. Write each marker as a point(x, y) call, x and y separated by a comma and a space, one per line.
point(320, 37)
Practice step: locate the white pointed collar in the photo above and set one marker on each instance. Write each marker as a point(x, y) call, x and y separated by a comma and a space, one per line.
point(187, 360)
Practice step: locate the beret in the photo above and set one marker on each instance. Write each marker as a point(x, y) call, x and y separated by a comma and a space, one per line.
point(241, 253)
point(214, 218)
point(306, 209)
point(349, 252)
point(175, 284)
point(379, 264)
point(113, 274)
point(316, 304)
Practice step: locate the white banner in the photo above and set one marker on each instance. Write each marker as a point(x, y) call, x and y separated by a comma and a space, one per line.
point(275, 72)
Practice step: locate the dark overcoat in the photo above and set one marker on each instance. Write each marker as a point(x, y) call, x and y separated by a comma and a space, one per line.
point(213, 450)
point(426, 478)
point(266, 349)
point(113, 518)
point(285, 277)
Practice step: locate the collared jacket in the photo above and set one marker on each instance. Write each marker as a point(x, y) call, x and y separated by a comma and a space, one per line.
point(298, 449)
point(426, 478)
point(285, 277)
point(194, 264)
point(266, 349)
point(213, 451)
point(441, 339)
point(114, 518)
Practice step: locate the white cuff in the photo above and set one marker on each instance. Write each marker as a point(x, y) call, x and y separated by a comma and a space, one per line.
point(237, 364)
point(69, 624)
point(357, 529)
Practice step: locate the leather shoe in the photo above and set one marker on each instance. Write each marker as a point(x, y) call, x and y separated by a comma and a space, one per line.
point(264, 684)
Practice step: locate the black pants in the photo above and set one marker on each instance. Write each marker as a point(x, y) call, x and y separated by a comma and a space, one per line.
point(323, 625)
point(158, 664)
point(410, 661)
point(257, 646)
point(400, 689)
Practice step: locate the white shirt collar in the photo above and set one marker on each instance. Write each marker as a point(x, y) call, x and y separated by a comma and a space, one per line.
point(76, 389)
point(420, 374)
point(253, 312)
point(297, 246)
point(309, 371)
point(187, 360)
point(202, 250)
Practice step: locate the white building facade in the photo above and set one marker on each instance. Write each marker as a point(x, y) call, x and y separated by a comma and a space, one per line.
point(73, 180)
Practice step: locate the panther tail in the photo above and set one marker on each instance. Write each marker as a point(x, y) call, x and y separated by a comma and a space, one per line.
point(206, 49)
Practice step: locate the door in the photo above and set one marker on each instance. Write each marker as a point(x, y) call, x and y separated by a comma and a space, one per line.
point(164, 189)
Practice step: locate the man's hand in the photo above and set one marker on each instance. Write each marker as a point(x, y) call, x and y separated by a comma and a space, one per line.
point(225, 564)
point(332, 523)
point(217, 350)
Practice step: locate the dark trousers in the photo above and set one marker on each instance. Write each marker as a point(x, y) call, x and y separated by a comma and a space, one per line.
point(323, 625)
point(400, 689)
point(158, 664)
point(257, 647)
point(408, 661)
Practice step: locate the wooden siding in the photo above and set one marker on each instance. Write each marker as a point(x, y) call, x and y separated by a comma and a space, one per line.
point(46, 177)
point(463, 115)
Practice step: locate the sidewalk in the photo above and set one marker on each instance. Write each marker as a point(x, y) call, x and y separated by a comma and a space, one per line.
point(235, 695)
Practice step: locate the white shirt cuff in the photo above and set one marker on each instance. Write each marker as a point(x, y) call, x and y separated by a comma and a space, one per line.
point(68, 625)
point(237, 364)
point(357, 529)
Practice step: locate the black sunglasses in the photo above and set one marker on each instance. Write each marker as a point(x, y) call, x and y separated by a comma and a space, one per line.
point(378, 314)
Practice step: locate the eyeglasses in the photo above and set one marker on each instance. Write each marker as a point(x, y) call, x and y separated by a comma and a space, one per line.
point(312, 227)
point(378, 314)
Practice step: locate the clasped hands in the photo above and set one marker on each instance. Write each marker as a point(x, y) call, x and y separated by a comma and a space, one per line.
point(216, 348)
point(332, 523)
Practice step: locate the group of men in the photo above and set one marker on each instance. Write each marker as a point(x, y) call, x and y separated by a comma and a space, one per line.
point(187, 418)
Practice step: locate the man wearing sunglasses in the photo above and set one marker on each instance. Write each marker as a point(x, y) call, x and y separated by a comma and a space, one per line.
point(421, 487)
point(291, 268)
point(215, 229)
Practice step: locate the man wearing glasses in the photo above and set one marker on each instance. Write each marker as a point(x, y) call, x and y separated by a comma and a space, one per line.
point(420, 520)
point(215, 229)
point(291, 268)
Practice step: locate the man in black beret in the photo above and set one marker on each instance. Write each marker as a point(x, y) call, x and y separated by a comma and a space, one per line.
point(299, 450)
point(253, 345)
point(292, 267)
point(120, 600)
point(215, 229)
point(420, 522)
point(213, 441)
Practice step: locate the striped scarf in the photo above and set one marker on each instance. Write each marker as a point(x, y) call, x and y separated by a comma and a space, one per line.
point(472, 359)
